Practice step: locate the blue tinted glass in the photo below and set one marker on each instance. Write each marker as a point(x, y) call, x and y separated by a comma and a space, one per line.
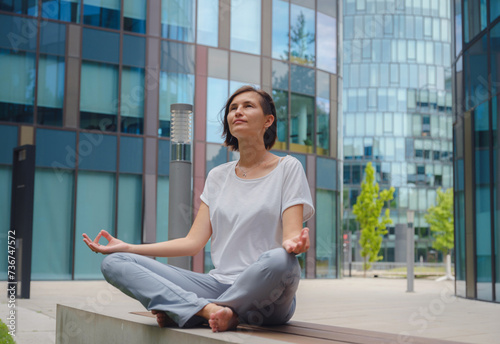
point(302, 35)
point(178, 19)
point(216, 155)
point(322, 126)
point(132, 100)
point(281, 102)
point(208, 22)
point(458, 27)
point(131, 153)
point(246, 26)
point(303, 80)
point(53, 38)
point(495, 58)
point(134, 15)
point(134, 51)
point(97, 152)
point(17, 95)
point(130, 208)
point(102, 46)
point(280, 75)
point(28, 7)
point(327, 43)
point(50, 95)
point(177, 57)
point(163, 157)
point(56, 149)
point(102, 13)
point(326, 243)
point(326, 172)
point(476, 73)
point(67, 10)
point(18, 33)
point(280, 29)
point(8, 141)
point(494, 10)
point(302, 158)
point(217, 92)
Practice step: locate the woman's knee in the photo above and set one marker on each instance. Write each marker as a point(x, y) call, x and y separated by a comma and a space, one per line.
point(109, 263)
point(281, 262)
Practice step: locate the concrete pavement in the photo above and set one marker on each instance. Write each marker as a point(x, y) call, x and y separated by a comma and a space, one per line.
point(375, 304)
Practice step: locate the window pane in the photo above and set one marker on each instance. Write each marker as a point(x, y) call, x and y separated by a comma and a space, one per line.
point(177, 19)
point(56, 149)
point(208, 22)
point(50, 95)
point(217, 93)
point(131, 154)
point(302, 121)
point(67, 10)
point(162, 189)
point(17, 95)
point(95, 210)
point(494, 10)
point(303, 80)
point(8, 141)
point(326, 211)
point(99, 45)
point(216, 155)
point(134, 15)
point(302, 35)
point(281, 102)
point(174, 88)
point(132, 100)
point(495, 58)
point(246, 26)
point(245, 68)
point(29, 7)
point(130, 208)
point(5, 195)
point(280, 29)
point(53, 229)
point(134, 51)
point(327, 43)
point(53, 38)
point(323, 126)
point(97, 152)
point(476, 73)
point(103, 13)
point(98, 96)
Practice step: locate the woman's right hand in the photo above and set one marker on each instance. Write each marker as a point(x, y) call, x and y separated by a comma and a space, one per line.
point(113, 245)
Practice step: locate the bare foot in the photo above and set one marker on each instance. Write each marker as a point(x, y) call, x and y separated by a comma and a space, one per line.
point(163, 319)
point(223, 319)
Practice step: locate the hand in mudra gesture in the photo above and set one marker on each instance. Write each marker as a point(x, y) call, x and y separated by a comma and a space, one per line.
point(113, 245)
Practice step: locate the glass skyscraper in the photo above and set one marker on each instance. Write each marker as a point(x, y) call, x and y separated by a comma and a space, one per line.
point(397, 109)
point(476, 61)
point(90, 84)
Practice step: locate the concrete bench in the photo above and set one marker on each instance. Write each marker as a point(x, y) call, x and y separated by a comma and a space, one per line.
point(78, 326)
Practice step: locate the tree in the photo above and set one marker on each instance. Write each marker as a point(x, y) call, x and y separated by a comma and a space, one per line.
point(441, 222)
point(368, 210)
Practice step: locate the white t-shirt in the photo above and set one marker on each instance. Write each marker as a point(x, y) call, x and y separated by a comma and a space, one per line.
point(246, 214)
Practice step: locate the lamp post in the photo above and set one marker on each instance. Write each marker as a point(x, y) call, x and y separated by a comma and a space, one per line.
point(410, 251)
point(179, 196)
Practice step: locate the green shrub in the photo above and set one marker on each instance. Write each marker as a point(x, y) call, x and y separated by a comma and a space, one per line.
point(4, 334)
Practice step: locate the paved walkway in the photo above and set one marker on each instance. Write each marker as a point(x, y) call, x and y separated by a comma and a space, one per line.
point(371, 304)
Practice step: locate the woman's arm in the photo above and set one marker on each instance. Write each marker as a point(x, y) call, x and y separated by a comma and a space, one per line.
point(198, 236)
point(295, 238)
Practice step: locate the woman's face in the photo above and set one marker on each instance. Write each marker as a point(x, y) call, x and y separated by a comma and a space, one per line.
point(246, 117)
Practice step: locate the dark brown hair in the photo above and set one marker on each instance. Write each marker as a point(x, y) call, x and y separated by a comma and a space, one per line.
point(267, 105)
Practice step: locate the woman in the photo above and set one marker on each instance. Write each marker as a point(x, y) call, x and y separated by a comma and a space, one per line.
point(253, 211)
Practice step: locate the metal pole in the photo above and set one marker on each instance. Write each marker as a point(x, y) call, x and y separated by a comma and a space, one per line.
point(410, 257)
point(179, 195)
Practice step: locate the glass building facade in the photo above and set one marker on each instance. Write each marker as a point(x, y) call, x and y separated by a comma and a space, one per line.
point(90, 84)
point(476, 66)
point(397, 110)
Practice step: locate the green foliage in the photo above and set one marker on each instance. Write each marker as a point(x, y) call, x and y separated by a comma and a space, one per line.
point(368, 210)
point(440, 220)
point(5, 337)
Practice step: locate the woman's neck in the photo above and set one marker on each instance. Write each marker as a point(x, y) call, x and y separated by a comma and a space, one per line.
point(252, 154)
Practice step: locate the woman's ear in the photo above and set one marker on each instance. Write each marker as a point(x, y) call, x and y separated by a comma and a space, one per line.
point(269, 121)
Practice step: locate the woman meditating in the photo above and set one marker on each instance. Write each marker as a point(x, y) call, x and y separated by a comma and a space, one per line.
point(253, 210)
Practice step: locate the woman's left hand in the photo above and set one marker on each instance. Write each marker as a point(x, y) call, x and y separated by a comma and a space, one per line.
point(299, 243)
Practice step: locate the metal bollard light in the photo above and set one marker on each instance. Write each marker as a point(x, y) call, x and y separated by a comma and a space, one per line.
point(179, 196)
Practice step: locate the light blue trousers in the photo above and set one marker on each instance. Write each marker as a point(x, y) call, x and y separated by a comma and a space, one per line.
point(263, 294)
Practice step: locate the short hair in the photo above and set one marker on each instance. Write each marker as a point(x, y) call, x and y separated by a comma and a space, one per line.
point(268, 107)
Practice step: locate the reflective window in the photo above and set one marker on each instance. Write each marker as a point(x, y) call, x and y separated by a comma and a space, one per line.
point(216, 155)
point(496, 183)
point(302, 123)
point(327, 43)
point(494, 11)
point(22, 33)
point(178, 19)
point(281, 102)
point(495, 58)
point(131, 154)
point(95, 210)
point(103, 13)
point(17, 95)
point(134, 51)
point(134, 15)
point(97, 152)
point(162, 189)
point(474, 18)
point(29, 7)
point(326, 243)
point(99, 45)
point(8, 141)
point(280, 29)
point(246, 26)
point(177, 57)
point(67, 10)
point(218, 63)
point(98, 96)
point(53, 191)
point(323, 126)
point(476, 73)
point(53, 38)
point(130, 208)
point(50, 94)
point(132, 100)
point(302, 34)
point(56, 149)
point(208, 22)
point(280, 75)
point(217, 93)
point(174, 88)
point(245, 68)
point(303, 80)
